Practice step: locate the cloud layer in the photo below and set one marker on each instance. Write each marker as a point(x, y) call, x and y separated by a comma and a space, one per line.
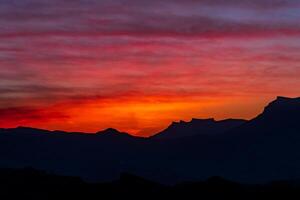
point(138, 65)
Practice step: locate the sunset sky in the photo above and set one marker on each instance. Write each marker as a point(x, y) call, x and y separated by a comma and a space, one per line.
point(138, 65)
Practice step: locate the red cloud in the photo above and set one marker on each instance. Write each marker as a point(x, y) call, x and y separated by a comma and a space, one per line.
point(27, 115)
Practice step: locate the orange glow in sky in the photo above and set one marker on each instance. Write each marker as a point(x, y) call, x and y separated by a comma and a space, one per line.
point(139, 65)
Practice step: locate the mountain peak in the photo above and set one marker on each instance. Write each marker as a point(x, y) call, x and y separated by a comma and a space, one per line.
point(198, 127)
point(282, 99)
point(281, 113)
point(283, 104)
point(279, 98)
point(109, 131)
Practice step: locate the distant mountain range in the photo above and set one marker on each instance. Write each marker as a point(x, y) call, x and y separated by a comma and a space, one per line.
point(198, 127)
point(33, 184)
point(262, 149)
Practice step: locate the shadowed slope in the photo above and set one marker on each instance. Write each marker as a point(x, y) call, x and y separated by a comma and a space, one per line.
point(198, 127)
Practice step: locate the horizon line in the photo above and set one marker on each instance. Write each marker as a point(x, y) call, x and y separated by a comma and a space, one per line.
point(124, 132)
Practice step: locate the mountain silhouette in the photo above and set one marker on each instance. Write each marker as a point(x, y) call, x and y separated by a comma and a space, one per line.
point(197, 127)
point(283, 113)
point(35, 184)
point(263, 149)
point(112, 133)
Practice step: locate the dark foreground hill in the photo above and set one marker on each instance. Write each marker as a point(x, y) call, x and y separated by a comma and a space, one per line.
point(33, 184)
point(263, 149)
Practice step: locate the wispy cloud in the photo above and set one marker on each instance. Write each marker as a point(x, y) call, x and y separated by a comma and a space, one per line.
point(102, 56)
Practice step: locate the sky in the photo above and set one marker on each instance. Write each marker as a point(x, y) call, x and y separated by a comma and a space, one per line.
point(138, 65)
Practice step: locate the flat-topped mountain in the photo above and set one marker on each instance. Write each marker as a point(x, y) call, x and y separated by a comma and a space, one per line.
point(282, 112)
point(281, 116)
point(198, 127)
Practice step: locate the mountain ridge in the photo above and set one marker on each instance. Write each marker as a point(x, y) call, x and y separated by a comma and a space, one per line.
point(262, 149)
point(275, 103)
point(197, 127)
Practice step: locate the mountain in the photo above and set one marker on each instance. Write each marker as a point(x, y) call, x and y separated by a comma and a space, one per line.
point(33, 184)
point(259, 150)
point(264, 148)
point(281, 114)
point(91, 156)
point(112, 133)
point(198, 127)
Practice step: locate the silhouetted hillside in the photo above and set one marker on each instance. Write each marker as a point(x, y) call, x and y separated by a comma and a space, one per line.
point(198, 127)
point(91, 156)
point(257, 151)
point(33, 184)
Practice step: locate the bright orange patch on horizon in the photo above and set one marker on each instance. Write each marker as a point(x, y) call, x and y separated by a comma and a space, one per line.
point(141, 116)
point(138, 66)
